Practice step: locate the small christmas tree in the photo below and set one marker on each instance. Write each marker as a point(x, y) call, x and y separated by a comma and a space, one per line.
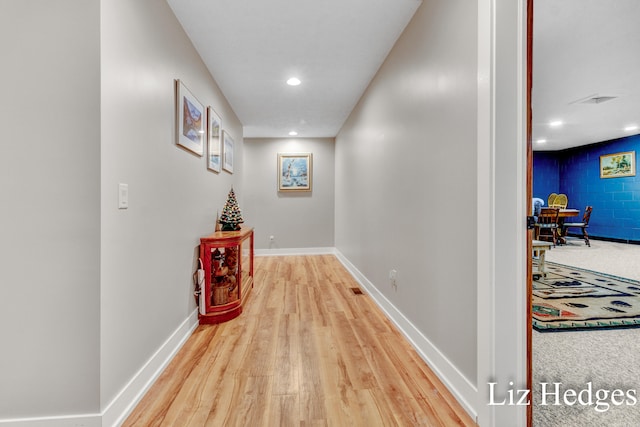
point(231, 217)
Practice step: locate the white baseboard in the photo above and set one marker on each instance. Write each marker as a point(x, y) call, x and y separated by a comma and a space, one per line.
point(88, 420)
point(463, 390)
point(294, 251)
point(123, 404)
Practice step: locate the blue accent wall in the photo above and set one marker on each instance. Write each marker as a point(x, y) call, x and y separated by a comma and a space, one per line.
point(576, 172)
point(546, 174)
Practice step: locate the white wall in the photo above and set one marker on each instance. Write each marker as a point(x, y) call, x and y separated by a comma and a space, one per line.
point(50, 216)
point(149, 251)
point(406, 159)
point(93, 297)
point(296, 220)
point(431, 166)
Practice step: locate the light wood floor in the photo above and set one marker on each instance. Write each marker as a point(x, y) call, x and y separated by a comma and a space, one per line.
point(306, 351)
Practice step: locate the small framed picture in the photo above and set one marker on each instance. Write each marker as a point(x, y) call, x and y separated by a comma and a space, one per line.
point(227, 152)
point(294, 171)
point(189, 120)
point(214, 138)
point(618, 165)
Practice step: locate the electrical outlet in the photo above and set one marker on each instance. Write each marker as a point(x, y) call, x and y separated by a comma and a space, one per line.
point(393, 274)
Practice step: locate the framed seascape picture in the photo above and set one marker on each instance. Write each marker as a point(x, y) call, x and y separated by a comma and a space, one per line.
point(214, 136)
point(294, 171)
point(618, 165)
point(189, 120)
point(227, 152)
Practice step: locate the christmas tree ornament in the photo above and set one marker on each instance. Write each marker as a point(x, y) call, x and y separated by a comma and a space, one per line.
point(231, 217)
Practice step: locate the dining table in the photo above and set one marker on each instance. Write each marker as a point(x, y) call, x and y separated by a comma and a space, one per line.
point(563, 214)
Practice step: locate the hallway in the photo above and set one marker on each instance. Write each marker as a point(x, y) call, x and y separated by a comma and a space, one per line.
point(306, 351)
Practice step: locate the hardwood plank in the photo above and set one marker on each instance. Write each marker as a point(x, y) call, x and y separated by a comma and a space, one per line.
point(290, 297)
point(286, 377)
point(356, 365)
point(285, 411)
point(306, 351)
point(207, 388)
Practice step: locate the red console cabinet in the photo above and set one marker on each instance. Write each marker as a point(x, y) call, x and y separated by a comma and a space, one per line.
point(227, 257)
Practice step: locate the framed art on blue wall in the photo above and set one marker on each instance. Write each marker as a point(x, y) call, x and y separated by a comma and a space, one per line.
point(618, 165)
point(294, 171)
point(189, 120)
point(214, 133)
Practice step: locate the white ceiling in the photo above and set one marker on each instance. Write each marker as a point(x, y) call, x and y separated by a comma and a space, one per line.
point(252, 47)
point(582, 49)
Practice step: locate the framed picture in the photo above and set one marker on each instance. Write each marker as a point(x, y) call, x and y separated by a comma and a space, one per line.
point(618, 165)
point(227, 152)
point(294, 171)
point(189, 120)
point(214, 137)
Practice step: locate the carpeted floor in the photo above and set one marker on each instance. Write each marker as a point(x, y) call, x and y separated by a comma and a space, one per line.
point(618, 259)
point(608, 359)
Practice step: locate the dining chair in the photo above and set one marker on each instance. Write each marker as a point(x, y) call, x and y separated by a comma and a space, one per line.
point(581, 225)
point(551, 199)
point(561, 201)
point(547, 225)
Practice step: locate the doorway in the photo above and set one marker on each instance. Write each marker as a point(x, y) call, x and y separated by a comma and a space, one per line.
point(608, 16)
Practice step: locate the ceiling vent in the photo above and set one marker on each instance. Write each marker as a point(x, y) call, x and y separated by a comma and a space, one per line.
point(594, 99)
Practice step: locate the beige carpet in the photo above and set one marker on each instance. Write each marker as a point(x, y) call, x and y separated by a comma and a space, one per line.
point(608, 359)
point(618, 259)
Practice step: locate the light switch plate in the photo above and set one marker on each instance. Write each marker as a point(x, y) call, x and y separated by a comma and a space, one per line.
point(123, 196)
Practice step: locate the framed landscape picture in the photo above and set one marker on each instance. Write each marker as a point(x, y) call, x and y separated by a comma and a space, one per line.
point(618, 165)
point(214, 138)
point(189, 120)
point(294, 171)
point(227, 152)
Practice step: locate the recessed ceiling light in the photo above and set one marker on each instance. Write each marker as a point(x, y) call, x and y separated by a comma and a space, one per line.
point(293, 133)
point(555, 123)
point(631, 128)
point(293, 81)
point(541, 141)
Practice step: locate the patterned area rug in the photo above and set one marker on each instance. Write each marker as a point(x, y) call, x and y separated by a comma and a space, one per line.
point(570, 299)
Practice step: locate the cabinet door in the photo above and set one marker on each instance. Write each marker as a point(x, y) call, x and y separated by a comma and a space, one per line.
point(224, 275)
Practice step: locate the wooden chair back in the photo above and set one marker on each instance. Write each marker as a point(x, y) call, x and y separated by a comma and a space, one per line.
point(560, 201)
point(587, 215)
point(547, 225)
point(548, 216)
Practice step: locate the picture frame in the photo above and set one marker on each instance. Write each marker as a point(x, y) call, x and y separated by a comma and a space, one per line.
point(190, 119)
point(618, 165)
point(295, 171)
point(214, 140)
point(227, 152)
